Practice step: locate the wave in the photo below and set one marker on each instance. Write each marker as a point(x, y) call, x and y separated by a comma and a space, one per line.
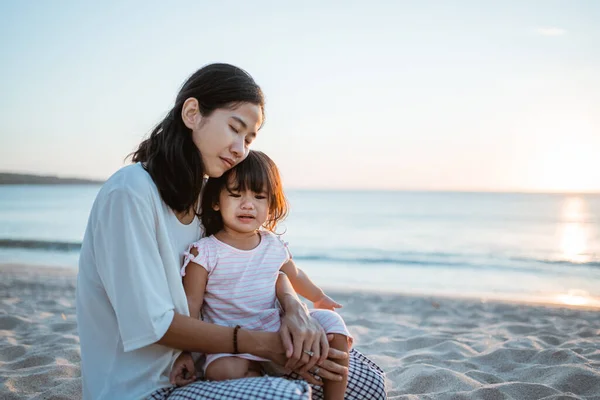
point(595, 263)
point(432, 259)
point(39, 245)
point(376, 260)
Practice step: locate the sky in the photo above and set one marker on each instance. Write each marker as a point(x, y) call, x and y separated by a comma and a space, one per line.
point(408, 95)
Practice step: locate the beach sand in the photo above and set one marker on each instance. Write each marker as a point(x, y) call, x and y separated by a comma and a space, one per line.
point(430, 348)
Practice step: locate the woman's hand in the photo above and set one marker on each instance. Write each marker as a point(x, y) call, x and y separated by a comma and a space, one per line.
point(184, 371)
point(270, 346)
point(304, 340)
point(303, 337)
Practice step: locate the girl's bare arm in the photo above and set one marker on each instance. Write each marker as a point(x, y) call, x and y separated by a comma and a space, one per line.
point(301, 282)
point(194, 283)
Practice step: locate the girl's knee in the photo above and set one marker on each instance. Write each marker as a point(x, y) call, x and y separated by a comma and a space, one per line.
point(340, 342)
point(328, 317)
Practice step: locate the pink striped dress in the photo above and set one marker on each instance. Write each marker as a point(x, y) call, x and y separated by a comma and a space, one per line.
point(241, 287)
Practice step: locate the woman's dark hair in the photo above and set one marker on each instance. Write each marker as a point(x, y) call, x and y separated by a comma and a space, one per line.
point(169, 154)
point(257, 173)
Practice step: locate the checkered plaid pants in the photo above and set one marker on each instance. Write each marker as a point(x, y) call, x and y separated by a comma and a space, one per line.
point(366, 381)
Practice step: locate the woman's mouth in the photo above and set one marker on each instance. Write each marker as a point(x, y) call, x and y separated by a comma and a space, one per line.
point(228, 162)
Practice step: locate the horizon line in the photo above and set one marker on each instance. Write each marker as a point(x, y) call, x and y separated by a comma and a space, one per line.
point(96, 181)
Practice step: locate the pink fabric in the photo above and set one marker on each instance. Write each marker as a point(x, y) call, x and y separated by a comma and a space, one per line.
point(241, 287)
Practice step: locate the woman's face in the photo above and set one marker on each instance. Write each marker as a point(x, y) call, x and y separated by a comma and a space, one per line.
point(223, 138)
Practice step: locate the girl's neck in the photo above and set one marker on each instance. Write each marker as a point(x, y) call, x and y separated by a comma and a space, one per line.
point(239, 240)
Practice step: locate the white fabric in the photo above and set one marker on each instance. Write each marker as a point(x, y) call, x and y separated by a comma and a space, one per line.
point(129, 287)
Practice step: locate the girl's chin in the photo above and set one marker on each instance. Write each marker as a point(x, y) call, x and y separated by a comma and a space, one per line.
point(243, 228)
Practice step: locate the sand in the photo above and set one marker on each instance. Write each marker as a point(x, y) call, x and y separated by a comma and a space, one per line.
point(430, 348)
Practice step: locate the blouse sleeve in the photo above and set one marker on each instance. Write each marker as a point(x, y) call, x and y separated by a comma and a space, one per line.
point(131, 269)
point(286, 248)
point(205, 255)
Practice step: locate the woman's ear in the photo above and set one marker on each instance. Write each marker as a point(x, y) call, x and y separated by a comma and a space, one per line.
point(190, 113)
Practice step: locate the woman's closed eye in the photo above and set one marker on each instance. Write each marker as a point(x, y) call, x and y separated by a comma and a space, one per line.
point(247, 140)
point(250, 138)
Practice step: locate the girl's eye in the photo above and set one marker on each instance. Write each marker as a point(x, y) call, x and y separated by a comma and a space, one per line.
point(233, 129)
point(234, 195)
point(260, 197)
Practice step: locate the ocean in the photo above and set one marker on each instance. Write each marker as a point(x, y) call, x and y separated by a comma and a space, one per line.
point(522, 247)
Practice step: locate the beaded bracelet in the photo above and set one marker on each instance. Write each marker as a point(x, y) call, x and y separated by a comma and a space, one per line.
point(235, 344)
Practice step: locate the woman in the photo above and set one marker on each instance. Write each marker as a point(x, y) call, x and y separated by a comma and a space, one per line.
point(132, 310)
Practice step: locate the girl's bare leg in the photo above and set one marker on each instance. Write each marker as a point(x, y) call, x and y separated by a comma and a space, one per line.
point(226, 368)
point(335, 390)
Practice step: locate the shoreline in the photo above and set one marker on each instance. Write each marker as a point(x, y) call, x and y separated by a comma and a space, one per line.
point(533, 301)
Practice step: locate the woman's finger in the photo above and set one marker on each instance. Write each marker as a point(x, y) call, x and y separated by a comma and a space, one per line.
point(189, 365)
point(337, 354)
point(316, 349)
point(310, 378)
point(330, 376)
point(304, 359)
point(298, 342)
point(324, 342)
point(333, 368)
point(286, 339)
point(175, 373)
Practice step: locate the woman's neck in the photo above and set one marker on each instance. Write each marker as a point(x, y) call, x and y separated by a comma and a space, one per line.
point(239, 240)
point(186, 217)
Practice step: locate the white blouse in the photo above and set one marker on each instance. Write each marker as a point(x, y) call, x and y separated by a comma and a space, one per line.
point(129, 287)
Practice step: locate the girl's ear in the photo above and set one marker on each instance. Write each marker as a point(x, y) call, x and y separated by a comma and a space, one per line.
point(216, 207)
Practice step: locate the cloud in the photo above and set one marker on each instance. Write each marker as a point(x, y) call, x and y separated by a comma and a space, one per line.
point(548, 31)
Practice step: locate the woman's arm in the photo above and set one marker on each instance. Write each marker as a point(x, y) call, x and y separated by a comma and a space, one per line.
point(192, 335)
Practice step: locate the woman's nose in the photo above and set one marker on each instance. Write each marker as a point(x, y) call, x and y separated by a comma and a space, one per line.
point(238, 147)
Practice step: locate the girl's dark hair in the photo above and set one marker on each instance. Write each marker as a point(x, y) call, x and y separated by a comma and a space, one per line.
point(169, 154)
point(257, 173)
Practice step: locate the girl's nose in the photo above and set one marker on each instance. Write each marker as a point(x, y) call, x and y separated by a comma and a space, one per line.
point(247, 204)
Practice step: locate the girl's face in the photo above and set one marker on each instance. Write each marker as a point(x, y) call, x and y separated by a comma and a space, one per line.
point(223, 138)
point(243, 212)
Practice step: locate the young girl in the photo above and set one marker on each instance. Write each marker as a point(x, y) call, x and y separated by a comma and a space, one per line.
point(231, 277)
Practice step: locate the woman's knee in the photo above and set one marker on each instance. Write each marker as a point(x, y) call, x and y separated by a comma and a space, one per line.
point(365, 379)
